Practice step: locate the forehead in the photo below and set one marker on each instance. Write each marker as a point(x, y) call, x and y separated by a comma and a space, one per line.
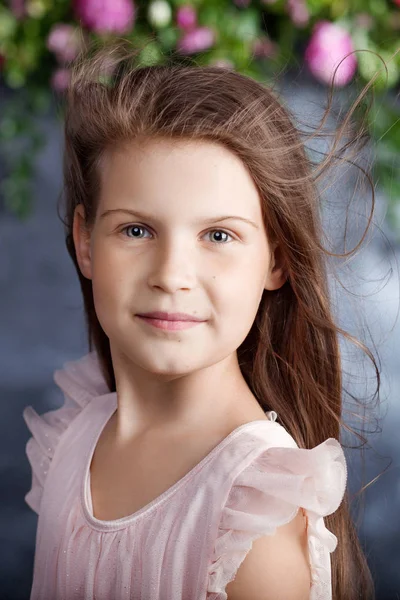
point(164, 174)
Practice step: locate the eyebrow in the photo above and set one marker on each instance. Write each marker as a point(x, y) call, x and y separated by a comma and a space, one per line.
point(216, 219)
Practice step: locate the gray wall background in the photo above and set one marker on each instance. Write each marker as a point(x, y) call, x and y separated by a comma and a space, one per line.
point(42, 326)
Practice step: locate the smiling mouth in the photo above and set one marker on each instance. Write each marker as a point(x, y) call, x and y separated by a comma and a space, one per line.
point(169, 325)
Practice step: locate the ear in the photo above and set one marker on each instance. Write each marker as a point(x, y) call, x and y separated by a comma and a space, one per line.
point(276, 275)
point(81, 237)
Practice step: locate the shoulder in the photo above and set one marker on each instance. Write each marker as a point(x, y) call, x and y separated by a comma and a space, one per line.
point(285, 552)
point(80, 381)
point(272, 542)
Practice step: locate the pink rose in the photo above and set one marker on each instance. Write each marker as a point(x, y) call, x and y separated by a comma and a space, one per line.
point(106, 16)
point(186, 17)
point(298, 12)
point(64, 41)
point(60, 80)
point(364, 20)
point(18, 8)
point(263, 47)
point(197, 40)
point(242, 3)
point(329, 44)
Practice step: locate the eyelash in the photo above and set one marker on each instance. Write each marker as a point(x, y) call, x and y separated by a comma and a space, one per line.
point(126, 227)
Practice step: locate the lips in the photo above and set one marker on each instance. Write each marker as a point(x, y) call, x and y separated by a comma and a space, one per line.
point(164, 316)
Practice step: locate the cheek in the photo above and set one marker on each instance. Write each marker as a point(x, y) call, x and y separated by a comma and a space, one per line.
point(110, 296)
point(110, 269)
point(243, 281)
point(111, 283)
point(238, 299)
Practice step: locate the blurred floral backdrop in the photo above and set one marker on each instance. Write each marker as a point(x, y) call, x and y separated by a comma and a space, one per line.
point(39, 38)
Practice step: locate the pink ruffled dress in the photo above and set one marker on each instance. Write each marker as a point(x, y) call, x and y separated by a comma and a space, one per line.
point(188, 543)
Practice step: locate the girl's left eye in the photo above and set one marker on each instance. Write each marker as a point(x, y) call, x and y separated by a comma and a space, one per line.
point(138, 227)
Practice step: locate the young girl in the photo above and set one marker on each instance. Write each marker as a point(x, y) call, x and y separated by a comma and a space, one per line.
point(196, 456)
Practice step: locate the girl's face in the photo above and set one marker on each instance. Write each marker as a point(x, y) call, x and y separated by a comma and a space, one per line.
point(159, 244)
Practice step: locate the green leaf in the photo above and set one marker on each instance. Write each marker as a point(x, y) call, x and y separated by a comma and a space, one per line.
point(384, 126)
point(339, 9)
point(168, 37)
point(317, 6)
point(248, 26)
point(377, 8)
point(370, 65)
point(15, 76)
point(8, 24)
point(150, 55)
point(212, 15)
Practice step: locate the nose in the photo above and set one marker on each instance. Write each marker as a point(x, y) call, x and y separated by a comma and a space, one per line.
point(173, 267)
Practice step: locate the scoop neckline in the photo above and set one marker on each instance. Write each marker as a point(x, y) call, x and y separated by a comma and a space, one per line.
point(122, 522)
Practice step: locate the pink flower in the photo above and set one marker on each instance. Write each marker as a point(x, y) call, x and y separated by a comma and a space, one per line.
point(242, 3)
point(18, 8)
point(397, 2)
point(196, 40)
point(64, 41)
point(106, 16)
point(60, 80)
point(329, 44)
point(263, 47)
point(186, 17)
point(298, 12)
point(364, 20)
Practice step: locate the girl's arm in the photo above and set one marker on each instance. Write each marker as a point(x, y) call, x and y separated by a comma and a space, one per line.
point(276, 567)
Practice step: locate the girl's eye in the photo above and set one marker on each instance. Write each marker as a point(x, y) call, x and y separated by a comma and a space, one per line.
point(137, 228)
point(220, 231)
point(133, 227)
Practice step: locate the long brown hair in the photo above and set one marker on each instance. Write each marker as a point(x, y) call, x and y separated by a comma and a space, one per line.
point(291, 357)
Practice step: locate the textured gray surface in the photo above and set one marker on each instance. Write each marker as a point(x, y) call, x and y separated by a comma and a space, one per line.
point(42, 327)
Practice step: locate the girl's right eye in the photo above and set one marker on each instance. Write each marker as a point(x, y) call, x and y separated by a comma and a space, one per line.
point(137, 227)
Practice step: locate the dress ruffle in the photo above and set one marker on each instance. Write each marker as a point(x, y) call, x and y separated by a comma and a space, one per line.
point(267, 494)
point(80, 381)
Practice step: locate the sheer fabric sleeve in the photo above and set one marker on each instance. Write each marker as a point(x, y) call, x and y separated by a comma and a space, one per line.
point(79, 380)
point(267, 494)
